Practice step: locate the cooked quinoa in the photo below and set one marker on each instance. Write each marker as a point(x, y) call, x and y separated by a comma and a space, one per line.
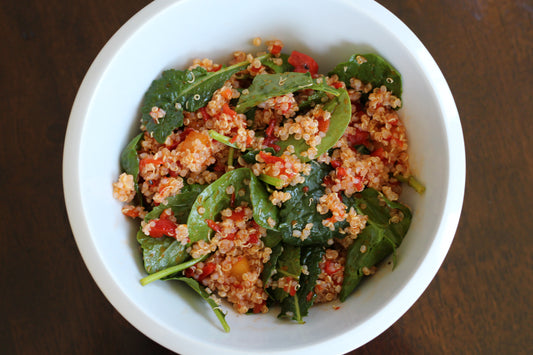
point(268, 199)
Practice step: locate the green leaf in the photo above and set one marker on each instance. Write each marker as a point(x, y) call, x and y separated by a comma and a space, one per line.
point(192, 283)
point(161, 253)
point(284, 67)
point(374, 70)
point(270, 265)
point(300, 210)
point(181, 203)
point(265, 86)
point(249, 155)
point(341, 113)
point(298, 306)
point(288, 264)
point(380, 237)
point(178, 90)
point(129, 161)
point(214, 199)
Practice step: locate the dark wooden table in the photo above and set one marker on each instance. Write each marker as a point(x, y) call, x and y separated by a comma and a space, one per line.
point(481, 301)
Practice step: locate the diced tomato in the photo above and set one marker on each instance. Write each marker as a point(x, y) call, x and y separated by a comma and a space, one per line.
point(303, 63)
point(360, 137)
point(379, 152)
point(270, 159)
point(330, 268)
point(213, 225)
point(233, 139)
point(276, 49)
point(162, 227)
point(237, 215)
point(253, 238)
point(208, 269)
point(270, 129)
point(306, 189)
point(337, 85)
point(359, 183)
point(323, 125)
point(215, 67)
point(189, 272)
point(341, 172)
point(226, 93)
point(146, 161)
point(335, 163)
point(228, 111)
point(269, 142)
point(205, 115)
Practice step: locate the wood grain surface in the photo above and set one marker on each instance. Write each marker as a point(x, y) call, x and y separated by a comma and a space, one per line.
point(480, 301)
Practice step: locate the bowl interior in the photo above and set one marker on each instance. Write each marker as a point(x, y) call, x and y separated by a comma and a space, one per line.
point(169, 34)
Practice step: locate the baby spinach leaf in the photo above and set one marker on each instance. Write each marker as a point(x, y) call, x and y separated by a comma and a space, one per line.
point(265, 86)
point(195, 285)
point(284, 67)
point(341, 113)
point(270, 265)
point(129, 161)
point(374, 70)
point(288, 265)
point(317, 97)
point(178, 90)
point(380, 237)
point(161, 253)
point(214, 199)
point(249, 156)
point(300, 210)
point(298, 306)
point(181, 203)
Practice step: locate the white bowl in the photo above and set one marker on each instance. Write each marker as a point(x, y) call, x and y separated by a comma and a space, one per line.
point(169, 34)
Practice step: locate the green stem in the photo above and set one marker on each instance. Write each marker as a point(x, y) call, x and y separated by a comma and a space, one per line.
point(221, 138)
point(170, 271)
point(277, 182)
point(413, 182)
point(230, 156)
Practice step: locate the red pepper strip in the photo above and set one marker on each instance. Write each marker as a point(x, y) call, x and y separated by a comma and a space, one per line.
point(270, 159)
point(208, 269)
point(163, 227)
point(303, 63)
point(213, 225)
point(228, 111)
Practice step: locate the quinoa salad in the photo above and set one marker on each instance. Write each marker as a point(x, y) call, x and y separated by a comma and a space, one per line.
point(263, 184)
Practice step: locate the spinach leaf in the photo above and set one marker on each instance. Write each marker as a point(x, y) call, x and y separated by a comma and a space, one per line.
point(270, 265)
point(195, 285)
point(341, 113)
point(181, 203)
point(284, 67)
point(161, 253)
point(317, 97)
point(249, 156)
point(288, 265)
point(164, 252)
point(178, 90)
point(380, 237)
point(374, 70)
point(298, 306)
point(265, 86)
point(214, 199)
point(300, 210)
point(129, 160)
